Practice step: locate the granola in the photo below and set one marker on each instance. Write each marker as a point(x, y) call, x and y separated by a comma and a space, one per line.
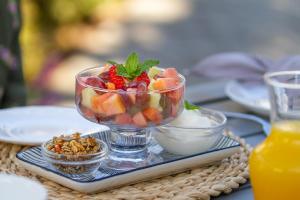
point(73, 145)
point(70, 149)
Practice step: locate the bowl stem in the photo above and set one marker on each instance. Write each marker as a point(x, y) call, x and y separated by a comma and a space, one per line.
point(128, 148)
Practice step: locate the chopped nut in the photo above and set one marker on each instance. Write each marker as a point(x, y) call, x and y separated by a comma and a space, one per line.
point(73, 145)
point(70, 148)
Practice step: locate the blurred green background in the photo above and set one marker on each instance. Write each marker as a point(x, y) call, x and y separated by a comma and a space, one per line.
point(61, 37)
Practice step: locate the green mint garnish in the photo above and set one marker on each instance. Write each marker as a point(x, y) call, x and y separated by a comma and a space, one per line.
point(133, 68)
point(189, 106)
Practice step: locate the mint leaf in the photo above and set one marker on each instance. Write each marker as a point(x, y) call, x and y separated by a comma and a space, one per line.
point(148, 64)
point(121, 71)
point(132, 63)
point(112, 62)
point(189, 106)
point(137, 72)
point(133, 68)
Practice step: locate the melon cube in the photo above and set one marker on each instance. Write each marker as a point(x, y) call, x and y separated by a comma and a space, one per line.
point(97, 102)
point(153, 71)
point(164, 83)
point(153, 115)
point(113, 105)
point(86, 97)
point(154, 101)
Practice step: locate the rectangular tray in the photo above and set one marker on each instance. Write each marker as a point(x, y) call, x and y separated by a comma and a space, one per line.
point(32, 160)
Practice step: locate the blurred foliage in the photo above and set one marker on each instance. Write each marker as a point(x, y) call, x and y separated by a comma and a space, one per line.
point(42, 18)
point(59, 12)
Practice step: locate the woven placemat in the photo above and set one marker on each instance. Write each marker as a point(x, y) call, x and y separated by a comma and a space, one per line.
point(200, 183)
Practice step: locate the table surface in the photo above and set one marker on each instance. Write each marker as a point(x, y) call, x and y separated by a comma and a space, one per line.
point(210, 94)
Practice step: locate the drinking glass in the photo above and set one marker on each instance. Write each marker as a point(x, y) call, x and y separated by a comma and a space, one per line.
point(275, 164)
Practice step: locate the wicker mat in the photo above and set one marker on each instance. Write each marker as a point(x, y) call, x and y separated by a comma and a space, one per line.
point(200, 183)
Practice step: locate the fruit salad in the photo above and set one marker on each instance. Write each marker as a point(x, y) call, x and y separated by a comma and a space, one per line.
point(134, 94)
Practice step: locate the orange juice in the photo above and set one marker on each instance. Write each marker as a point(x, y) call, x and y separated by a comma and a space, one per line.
point(275, 164)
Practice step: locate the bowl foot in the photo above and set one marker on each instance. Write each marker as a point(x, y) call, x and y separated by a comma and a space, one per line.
point(129, 161)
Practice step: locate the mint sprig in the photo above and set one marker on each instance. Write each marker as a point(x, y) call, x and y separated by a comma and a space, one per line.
point(189, 106)
point(133, 68)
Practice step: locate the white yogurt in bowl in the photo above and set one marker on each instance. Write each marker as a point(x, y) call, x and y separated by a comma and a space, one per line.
point(194, 131)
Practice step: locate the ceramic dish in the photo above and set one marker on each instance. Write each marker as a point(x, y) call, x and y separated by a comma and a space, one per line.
point(253, 96)
point(190, 140)
point(33, 125)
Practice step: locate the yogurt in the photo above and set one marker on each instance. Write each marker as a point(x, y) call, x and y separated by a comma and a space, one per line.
point(192, 132)
point(192, 119)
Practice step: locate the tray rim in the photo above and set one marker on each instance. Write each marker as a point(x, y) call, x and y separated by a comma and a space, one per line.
point(138, 176)
point(265, 126)
point(129, 171)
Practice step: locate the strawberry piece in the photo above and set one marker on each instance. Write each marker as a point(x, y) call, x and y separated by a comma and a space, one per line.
point(143, 78)
point(115, 78)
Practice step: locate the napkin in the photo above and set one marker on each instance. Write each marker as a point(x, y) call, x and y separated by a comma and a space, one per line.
point(242, 66)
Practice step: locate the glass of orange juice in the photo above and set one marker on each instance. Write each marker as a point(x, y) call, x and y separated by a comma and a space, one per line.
point(275, 164)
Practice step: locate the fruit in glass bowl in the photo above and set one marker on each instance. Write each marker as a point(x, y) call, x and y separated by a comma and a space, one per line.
point(144, 101)
point(130, 98)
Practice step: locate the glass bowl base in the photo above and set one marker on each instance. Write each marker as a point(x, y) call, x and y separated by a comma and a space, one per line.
point(129, 161)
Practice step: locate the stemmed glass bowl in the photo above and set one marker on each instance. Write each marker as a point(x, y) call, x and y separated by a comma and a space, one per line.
point(129, 114)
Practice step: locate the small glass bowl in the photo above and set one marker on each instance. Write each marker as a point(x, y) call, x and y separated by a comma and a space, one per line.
point(192, 140)
point(74, 165)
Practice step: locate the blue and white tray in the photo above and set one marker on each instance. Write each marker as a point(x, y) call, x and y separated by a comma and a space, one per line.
point(168, 163)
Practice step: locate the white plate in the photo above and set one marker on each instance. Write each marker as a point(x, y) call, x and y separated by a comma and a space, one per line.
point(253, 96)
point(17, 187)
point(34, 125)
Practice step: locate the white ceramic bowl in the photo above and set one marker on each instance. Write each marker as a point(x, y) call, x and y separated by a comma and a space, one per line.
point(192, 140)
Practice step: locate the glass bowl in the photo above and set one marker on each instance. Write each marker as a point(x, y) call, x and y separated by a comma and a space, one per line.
point(183, 140)
point(74, 165)
point(134, 108)
point(129, 113)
